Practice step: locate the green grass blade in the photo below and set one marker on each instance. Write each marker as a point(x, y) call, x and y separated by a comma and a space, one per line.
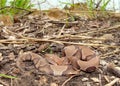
point(7, 76)
point(66, 3)
point(103, 7)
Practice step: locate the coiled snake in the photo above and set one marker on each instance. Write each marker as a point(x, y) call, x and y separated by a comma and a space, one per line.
point(76, 58)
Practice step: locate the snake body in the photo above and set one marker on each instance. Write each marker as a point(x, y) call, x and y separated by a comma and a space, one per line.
point(76, 58)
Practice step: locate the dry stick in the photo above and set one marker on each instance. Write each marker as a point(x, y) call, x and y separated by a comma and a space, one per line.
point(15, 41)
point(113, 69)
point(64, 42)
point(98, 4)
point(69, 79)
point(106, 78)
point(60, 22)
point(73, 39)
point(28, 39)
point(82, 37)
point(100, 80)
point(11, 83)
point(12, 32)
point(12, 42)
point(112, 82)
point(104, 29)
point(79, 37)
point(3, 83)
point(60, 42)
point(110, 53)
point(61, 31)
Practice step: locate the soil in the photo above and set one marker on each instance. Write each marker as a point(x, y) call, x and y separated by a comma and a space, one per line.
point(102, 35)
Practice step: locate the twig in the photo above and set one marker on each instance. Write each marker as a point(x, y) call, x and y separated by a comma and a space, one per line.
point(73, 39)
point(69, 79)
point(61, 31)
point(61, 22)
point(110, 53)
point(78, 37)
point(29, 39)
point(100, 80)
point(11, 83)
point(112, 82)
point(106, 78)
point(7, 30)
point(64, 42)
point(3, 83)
point(104, 29)
point(98, 4)
point(113, 69)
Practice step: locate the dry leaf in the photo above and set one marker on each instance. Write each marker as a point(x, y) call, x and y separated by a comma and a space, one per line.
point(112, 68)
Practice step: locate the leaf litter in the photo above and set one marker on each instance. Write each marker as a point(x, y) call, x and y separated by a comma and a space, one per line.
point(62, 52)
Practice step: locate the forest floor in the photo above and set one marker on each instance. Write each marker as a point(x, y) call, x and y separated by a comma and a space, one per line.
point(30, 33)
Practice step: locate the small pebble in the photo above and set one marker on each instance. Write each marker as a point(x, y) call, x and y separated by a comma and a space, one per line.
point(95, 79)
point(112, 77)
point(103, 63)
point(53, 84)
point(85, 79)
point(115, 61)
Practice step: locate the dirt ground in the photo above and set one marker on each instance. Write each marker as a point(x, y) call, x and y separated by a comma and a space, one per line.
point(102, 35)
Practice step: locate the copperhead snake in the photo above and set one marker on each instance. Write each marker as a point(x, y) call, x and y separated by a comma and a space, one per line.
point(76, 58)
